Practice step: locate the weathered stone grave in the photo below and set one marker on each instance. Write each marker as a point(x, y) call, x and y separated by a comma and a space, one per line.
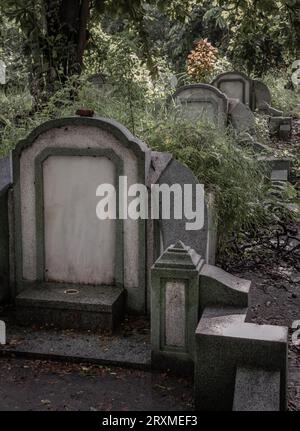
point(64, 266)
point(206, 102)
point(279, 169)
point(203, 101)
point(256, 95)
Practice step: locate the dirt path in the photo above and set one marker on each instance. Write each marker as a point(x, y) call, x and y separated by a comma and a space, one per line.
point(51, 386)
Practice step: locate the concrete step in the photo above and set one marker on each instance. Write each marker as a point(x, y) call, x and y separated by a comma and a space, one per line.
point(71, 307)
point(129, 347)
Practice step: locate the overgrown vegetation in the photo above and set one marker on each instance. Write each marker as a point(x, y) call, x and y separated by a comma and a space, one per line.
point(244, 199)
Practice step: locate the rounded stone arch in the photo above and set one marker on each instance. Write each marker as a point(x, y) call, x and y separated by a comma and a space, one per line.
point(111, 126)
point(244, 94)
point(234, 72)
point(207, 87)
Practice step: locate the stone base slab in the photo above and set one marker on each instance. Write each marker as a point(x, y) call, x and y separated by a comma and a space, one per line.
point(71, 307)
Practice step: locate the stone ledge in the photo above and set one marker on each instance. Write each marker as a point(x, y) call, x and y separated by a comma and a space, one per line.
point(234, 326)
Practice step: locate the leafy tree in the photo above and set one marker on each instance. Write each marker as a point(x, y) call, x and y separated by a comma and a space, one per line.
point(261, 34)
point(56, 32)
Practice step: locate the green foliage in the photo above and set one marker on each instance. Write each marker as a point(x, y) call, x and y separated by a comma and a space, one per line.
point(260, 34)
point(282, 98)
point(213, 155)
point(141, 49)
point(12, 54)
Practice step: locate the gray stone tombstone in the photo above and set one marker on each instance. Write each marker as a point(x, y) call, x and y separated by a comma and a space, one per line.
point(64, 266)
point(278, 169)
point(281, 126)
point(262, 94)
point(226, 352)
point(175, 307)
point(256, 95)
point(235, 85)
point(173, 230)
point(202, 101)
point(241, 117)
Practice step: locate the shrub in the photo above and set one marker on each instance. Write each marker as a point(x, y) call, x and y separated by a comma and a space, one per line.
point(201, 60)
point(214, 156)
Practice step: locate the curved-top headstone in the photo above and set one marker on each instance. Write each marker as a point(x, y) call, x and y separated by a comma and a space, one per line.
point(235, 85)
point(59, 238)
point(202, 101)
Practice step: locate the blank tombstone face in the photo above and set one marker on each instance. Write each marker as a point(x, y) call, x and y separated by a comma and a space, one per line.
point(234, 89)
point(79, 248)
point(199, 109)
point(202, 101)
point(235, 85)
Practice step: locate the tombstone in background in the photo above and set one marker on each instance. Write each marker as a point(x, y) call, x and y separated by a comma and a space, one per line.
point(278, 169)
point(202, 101)
point(281, 126)
point(235, 85)
point(241, 117)
point(256, 95)
point(262, 100)
point(72, 268)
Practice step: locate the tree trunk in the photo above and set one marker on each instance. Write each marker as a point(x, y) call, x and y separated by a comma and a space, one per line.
point(64, 42)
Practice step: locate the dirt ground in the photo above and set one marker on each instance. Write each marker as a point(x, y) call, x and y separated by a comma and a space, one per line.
point(54, 386)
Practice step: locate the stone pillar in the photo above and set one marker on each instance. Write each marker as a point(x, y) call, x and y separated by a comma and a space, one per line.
point(175, 307)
